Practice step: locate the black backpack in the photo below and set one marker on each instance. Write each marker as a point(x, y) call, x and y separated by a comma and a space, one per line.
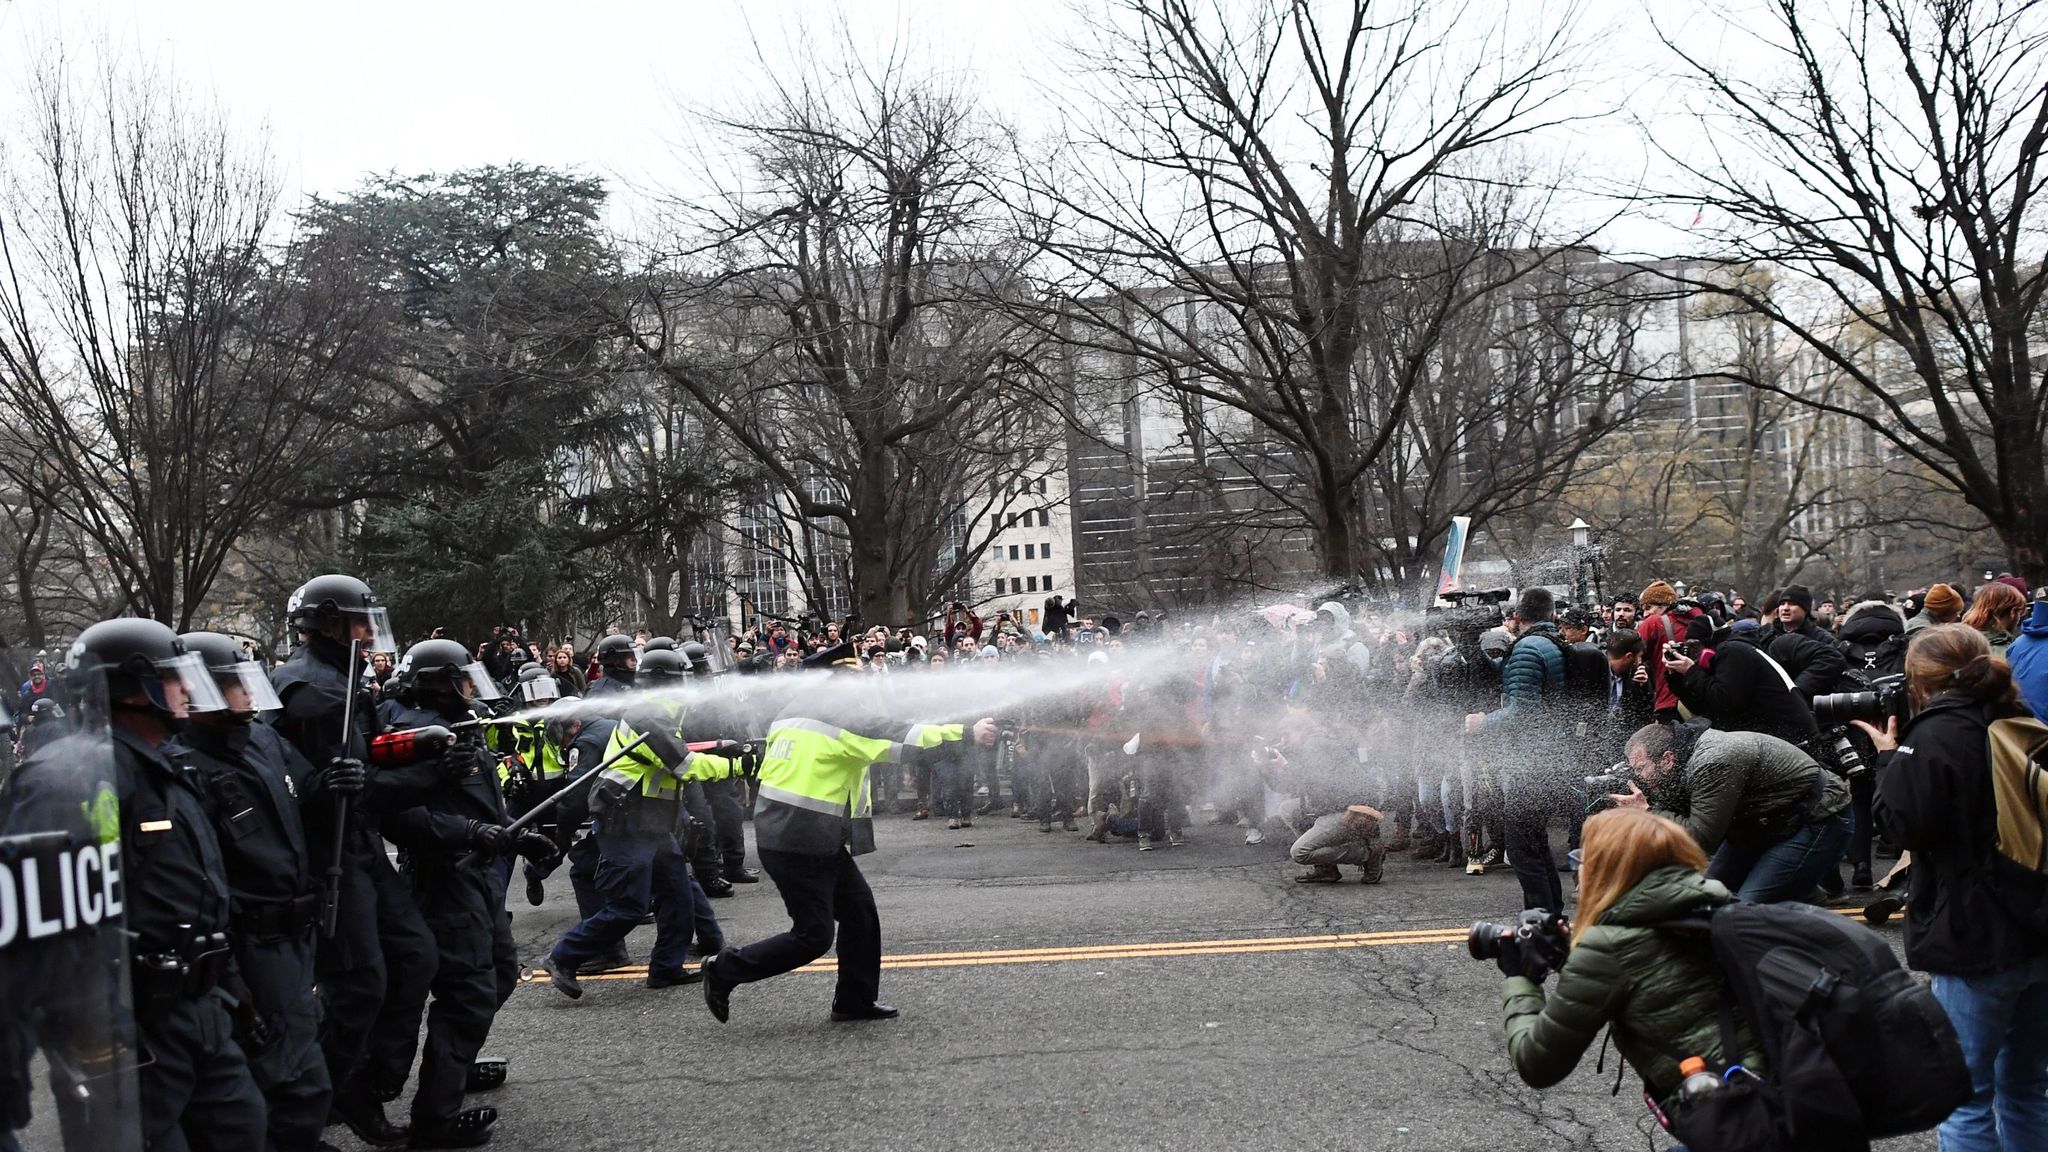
point(1856, 1048)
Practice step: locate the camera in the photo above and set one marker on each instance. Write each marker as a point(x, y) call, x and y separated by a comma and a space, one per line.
point(1886, 697)
point(1535, 945)
point(1615, 779)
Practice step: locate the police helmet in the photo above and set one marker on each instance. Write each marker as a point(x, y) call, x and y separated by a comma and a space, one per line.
point(142, 657)
point(327, 600)
point(699, 658)
point(536, 686)
point(614, 651)
point(660, 644)
point(444, 663)
point(45, 710)
point(242, 682)
point(662, 665)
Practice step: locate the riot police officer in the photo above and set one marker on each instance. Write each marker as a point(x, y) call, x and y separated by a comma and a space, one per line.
point(195, 1086)
point(619, 663)
point(530, 768)
point(639, 808)
point(463, 902)
point(375, 966)
point(717, 719)
point(252, 776)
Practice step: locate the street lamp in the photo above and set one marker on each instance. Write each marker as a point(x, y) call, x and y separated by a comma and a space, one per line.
point(1586, 572)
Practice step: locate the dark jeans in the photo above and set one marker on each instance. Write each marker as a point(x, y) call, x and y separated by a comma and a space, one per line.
point(819, 893)
point(1787, 870)
point(1861, 790)
point(953, 779)
point(375, 996)
point(638, 872)
point(1530, 800)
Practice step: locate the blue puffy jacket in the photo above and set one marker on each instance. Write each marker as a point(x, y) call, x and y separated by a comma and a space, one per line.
point(2028, 656)
point(1533, 674)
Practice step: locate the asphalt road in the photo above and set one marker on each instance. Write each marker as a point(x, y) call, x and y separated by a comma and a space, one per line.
point(1059, 994)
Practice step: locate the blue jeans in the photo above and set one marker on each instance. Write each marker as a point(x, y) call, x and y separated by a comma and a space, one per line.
point(2002, 1021)
point(634, 873)
point(1787, 870)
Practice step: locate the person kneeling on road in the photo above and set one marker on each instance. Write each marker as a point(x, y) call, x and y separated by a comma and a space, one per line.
point(1773, 819)
point(1348, 837)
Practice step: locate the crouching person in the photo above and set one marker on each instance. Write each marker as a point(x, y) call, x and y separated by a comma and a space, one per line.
point(1348, 837)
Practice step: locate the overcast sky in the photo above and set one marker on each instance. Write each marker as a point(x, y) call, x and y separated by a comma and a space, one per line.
point(425, 85)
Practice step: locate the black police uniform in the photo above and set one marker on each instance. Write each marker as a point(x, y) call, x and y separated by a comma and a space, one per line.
point(195, 1085)
point(252, 777)
point(464, 908)
point(375, 971)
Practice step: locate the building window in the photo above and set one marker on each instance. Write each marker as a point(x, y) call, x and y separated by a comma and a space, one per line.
point(1041, 485)
point(1048, 583)
point(995, 522)
point(1031, 583)
point(999, 585)
point(1013, 551)
point(1030, 551)
point(1044, 518)
point(1032, 615)
point(1045, 551)
point(1013, 519)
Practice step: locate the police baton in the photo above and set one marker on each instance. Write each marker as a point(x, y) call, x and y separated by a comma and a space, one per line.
point(330, 893)
point(533, 813)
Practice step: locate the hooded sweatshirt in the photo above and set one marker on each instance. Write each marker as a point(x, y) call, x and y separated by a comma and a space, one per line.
point(2029, 659)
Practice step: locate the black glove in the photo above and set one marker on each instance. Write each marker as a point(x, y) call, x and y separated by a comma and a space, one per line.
point(538, 848)
point(345, 776)
point(461, 759)
point(489, 839)
point(251, 1030)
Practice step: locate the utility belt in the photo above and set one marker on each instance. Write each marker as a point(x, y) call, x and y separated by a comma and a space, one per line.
point(270, 921)
point(164, 980)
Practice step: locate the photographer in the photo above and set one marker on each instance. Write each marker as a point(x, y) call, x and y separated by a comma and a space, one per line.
point(1935, 798)
point(1741, 689)
point(1773, 819)
point(1661, 992)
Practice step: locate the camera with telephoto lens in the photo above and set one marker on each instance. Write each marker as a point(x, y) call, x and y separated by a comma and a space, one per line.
point(1886, 697)
point(1535, 945)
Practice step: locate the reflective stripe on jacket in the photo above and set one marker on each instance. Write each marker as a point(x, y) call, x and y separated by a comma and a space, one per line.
point(814, 795)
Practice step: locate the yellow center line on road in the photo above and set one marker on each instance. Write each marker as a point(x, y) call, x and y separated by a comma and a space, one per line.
point(1154, 950)
point(1143, 950)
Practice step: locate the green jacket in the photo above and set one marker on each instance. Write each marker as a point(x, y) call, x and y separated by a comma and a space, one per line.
point(1658, 990)
point(1753, 790)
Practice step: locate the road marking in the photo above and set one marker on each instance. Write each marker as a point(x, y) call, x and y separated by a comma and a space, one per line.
point(1152, 950)
point(1162, 949)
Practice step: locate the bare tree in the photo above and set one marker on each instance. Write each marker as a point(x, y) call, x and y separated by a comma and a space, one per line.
point(164, 386)
point(1229, 200)
point(839, 316)
point(1884, 159)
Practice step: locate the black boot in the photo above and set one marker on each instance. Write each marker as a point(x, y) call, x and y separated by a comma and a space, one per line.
point(365, 1117)
point(465, 1129)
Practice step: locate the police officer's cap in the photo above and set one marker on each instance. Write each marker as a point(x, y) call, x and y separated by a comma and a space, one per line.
point(840, 655)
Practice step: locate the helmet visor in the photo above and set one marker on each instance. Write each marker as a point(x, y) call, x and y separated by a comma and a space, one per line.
point(539, 690)
point(480, 681)
point(187, 686)
point(246, 688)
point(379, 636)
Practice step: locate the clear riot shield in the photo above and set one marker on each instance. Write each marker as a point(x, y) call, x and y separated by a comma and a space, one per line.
point(67, 1032)
point(718, 638)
